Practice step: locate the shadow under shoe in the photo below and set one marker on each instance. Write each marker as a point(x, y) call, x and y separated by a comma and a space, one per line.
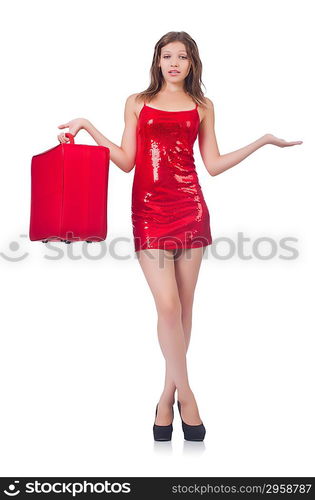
point(162, 432)
point(192, 432)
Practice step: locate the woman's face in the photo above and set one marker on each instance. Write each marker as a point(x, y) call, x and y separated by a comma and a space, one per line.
point(174, 57)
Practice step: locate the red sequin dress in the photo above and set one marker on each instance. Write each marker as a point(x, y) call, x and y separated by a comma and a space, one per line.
point(168, 208)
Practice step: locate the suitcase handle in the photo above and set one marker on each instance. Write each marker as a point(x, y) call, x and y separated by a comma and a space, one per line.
point(71, 137)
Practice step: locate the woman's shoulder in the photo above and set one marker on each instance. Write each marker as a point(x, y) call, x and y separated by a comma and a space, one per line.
point(133, 97)
point(135, 101)
point(208, 103)
point(207, 106)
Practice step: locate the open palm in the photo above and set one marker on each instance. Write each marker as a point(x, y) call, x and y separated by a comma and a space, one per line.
point(276, 141)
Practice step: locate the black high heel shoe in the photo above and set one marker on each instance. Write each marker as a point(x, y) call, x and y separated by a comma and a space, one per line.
point(162, 432)
point(192, 432)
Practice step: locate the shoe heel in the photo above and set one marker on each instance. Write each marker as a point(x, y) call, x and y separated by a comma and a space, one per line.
point(162, 432)
point(192, 432)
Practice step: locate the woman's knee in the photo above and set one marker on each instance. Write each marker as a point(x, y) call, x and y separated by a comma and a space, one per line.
point(169, 308)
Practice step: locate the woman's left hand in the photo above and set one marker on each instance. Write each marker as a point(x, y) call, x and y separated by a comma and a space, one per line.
point(272, 139)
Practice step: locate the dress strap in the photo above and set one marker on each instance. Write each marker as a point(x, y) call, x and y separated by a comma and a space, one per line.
point(196, 106)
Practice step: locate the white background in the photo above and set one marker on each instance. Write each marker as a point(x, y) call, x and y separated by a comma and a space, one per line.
point(81, 367)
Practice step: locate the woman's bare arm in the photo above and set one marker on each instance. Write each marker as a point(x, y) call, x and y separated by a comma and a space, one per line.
point(124, 155)
point(216, 163)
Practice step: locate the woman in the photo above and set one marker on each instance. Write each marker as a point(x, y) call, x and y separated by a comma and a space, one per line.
point(171, 223)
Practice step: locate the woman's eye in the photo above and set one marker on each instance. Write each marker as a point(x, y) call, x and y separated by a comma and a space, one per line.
point(169, 56)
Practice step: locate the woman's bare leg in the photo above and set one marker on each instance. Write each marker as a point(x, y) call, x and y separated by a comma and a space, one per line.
point(187, 265)
point(159, 268)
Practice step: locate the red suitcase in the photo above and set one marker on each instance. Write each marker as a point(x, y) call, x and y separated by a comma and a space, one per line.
point(69, 186)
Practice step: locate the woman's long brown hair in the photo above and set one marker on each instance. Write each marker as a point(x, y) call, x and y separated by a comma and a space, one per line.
point(192, 82)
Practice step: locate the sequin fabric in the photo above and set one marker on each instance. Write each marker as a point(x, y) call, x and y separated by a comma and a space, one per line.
point(168, 208)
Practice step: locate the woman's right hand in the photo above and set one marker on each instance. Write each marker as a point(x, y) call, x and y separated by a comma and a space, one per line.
point(74, 127)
